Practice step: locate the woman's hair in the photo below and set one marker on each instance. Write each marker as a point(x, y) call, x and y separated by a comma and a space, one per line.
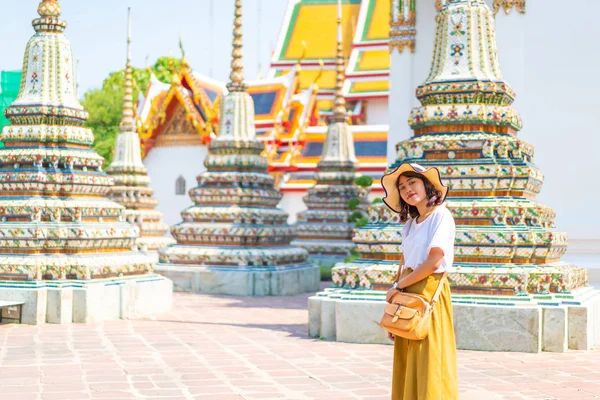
point(433, 195)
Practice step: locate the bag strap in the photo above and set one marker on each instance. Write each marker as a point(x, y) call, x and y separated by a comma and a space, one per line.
point(439, 289)
point(401, 268)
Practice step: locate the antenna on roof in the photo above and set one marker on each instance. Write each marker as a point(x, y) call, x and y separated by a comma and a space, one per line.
point(77, 79)
point(212, 35)
point(258, 38)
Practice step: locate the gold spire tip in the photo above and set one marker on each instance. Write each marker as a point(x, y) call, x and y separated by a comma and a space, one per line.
point(49, 8)
point(236, 77)
point(339, 105)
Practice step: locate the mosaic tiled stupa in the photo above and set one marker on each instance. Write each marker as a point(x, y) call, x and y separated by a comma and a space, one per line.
point(325, 229)
point(234, 240)
point(131, 177)
point(506, 252)
point(65, 248)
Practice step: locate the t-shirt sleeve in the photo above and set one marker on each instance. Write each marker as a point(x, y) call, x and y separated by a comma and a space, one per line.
point(442, 233)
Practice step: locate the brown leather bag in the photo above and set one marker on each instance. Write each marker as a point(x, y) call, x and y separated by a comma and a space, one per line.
point(408, 315)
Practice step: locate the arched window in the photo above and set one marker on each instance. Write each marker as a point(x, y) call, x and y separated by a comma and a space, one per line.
point(180, 186)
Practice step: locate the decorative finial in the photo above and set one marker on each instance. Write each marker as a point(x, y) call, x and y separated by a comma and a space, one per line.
point(127, 123)
point(183, 57)
point(49, 8)
point(339, 105)
point(302, 57)
point(321, 70)
point(236, 77)
point(49, 20)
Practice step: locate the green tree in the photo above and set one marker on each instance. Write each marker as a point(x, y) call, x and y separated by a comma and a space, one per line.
point(105, 105)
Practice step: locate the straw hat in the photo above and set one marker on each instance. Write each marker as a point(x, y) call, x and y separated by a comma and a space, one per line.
point(392, 194)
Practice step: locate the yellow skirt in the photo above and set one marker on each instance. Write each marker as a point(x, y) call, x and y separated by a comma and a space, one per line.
point(426, 369)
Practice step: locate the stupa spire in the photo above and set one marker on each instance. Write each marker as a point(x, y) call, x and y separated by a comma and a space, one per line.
point(324, 229)
point(339, 105)
point(131, 176)
point(49, 79)
point(236, 83)
point(59, 223)
point(338, 149)
point(234, 236)
point(465, 53)
point(127, 122)
point(237, 107)
point(466, 126)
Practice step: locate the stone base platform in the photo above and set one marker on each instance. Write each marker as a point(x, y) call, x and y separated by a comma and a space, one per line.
point(554, 323)
point(259, 281)
point(65, 302)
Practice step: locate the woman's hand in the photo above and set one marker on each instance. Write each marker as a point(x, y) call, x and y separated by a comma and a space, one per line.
point(391, 336)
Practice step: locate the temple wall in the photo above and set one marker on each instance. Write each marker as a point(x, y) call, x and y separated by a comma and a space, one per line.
point(378, 112)
point(165, 165)
point(292, 203)
point(548, 56)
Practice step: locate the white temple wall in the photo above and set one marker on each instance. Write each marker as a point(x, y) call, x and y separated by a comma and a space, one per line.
point(292, 203)
point(377, 114)
point(549, 57)
point(165, 165)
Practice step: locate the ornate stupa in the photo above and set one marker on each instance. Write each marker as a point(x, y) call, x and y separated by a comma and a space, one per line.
point(325, 229)
point(65, 247)
point(234, 240)
point(506, 252)
point(131, 177)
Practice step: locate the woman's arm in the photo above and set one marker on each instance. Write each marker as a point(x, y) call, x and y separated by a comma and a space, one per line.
point(433, 262)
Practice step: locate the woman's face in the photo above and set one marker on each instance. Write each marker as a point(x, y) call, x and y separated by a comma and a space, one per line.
point(412, 190)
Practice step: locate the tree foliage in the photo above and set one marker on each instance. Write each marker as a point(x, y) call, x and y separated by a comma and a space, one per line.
point(105, 105)
point(364, 181)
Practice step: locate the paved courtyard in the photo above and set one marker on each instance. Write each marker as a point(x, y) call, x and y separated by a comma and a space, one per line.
point(249, 348)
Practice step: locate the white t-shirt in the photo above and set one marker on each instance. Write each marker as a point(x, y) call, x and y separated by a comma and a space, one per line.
point(438, 230)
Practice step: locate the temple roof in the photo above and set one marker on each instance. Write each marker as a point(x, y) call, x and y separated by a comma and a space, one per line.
point(370, 147)
point(370, 144)
point(197, 94)
point(280, 106)
point(272, 96)
point(365, 34)
point(313, 22)
point(368, 70)
point(155, 88)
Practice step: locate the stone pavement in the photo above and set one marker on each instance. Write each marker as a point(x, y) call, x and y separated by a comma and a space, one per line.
point(249, 348)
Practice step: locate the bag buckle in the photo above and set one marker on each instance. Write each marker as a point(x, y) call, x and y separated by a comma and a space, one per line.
point(396, 314)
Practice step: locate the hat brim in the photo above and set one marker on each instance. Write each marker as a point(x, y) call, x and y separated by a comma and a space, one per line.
point(392, 194)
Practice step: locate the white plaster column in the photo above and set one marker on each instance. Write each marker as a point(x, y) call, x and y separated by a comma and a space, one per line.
point(511, 30)
point(548, 56)
point(402, 93)
point(403, 47)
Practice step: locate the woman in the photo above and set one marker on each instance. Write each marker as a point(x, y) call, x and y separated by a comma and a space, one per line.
point(424, 369)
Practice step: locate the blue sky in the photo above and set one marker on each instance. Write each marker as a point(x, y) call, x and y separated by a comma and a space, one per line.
point(97, 30)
